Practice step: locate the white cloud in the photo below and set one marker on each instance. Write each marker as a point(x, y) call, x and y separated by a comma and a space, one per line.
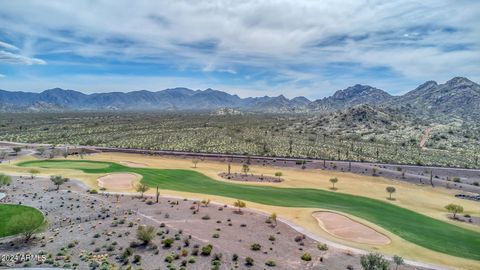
point(8, 46)
point(407, 37)
point(11, 58)
point(2, 76)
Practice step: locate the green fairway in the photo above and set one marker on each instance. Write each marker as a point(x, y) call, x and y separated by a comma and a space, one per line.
point(10, 215)
point(67, 164)
point(411, 226)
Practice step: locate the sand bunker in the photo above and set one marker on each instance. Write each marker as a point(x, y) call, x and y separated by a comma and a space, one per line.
point(118, 180)
point(344, 227)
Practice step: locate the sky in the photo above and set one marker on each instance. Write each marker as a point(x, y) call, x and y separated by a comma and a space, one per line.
point(249, 47)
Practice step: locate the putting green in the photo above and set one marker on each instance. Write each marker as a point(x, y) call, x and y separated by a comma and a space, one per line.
point(411, 226)
point(10, 216)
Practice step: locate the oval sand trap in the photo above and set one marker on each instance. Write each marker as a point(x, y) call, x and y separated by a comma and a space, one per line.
point(117, 180)
point(346, 228)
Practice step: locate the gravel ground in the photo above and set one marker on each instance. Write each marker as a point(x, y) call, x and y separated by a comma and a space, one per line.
point(91, 231)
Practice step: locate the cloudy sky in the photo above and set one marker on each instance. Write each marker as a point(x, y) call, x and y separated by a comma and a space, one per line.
point(251, 48)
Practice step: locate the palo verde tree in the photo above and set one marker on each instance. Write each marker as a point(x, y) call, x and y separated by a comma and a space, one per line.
point(454, 209)
point(195, 162)
point(397, 260)
point(205, 203)
point(58, 180)
point(239, 204)
point(390, 190)
point(141, 188)
point(279, 174)
point(333, 180)
point(245, 169)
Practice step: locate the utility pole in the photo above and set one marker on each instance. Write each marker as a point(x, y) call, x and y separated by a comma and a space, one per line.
point(158, 194)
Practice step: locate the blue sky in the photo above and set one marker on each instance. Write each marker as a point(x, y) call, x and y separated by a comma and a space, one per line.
point(249, 48)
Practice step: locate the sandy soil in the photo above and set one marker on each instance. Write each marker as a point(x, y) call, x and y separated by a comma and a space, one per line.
point(347, 228)
point(118, 181)
point(134, 164)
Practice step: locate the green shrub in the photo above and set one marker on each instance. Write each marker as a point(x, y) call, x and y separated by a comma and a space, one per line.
point(306, 257)
point(270, 263)
point(206, 250)
point(255, 247)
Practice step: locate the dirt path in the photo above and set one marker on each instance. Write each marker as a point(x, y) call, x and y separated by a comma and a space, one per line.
point(425, 136)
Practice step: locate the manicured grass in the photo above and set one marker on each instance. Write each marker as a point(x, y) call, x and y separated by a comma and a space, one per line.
point(411, 226)
point(10, 211)
point(67, 164)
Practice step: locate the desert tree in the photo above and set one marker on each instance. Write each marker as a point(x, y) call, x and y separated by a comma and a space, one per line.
point(3, 155)
point(273, 218)
point(58, 180)
point(390, 190)
point(374, 171)
point(229, 168)
point(205, 203)
point(374, 261)
point(141, 188)
point(5, 180)
point(245, 169)
point(454, 209)
point(117, 197)
point(82, 153)
point(333, 180)
point(33, 172)
point(195, 162)
point(239, 204)
point(279, 174)
point(398, 261)
point(17, 149)
point(146, 234)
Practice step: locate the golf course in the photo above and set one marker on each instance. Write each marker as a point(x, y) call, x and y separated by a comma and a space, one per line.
point(412, 226)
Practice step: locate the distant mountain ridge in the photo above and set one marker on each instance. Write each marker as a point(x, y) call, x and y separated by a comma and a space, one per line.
point(175, 99)
point(457, 98)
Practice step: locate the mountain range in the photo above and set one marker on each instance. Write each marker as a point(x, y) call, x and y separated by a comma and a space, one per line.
point(457, 98)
